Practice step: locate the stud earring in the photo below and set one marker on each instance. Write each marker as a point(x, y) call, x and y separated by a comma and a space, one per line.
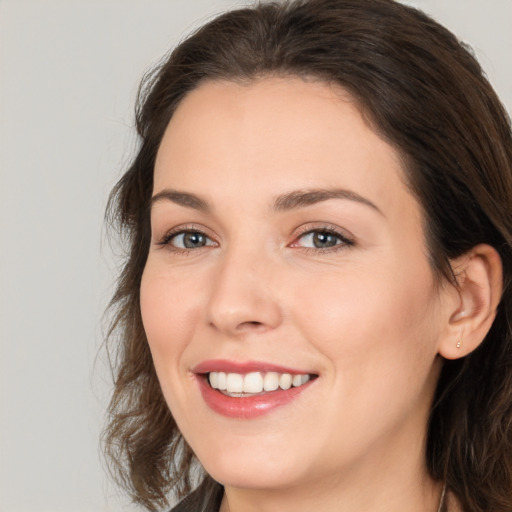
point(458, 343)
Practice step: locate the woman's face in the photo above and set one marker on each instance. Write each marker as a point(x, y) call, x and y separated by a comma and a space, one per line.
point(285, 243)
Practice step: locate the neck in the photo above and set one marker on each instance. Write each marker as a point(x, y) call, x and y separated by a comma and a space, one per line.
point(238, 501)
point(389, 492)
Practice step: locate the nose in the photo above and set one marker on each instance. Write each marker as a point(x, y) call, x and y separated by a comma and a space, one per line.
point(243, 298)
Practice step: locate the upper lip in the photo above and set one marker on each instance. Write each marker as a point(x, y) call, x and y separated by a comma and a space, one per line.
point(224, 365)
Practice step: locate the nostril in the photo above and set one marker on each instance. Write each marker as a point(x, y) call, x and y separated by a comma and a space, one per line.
point(250, 325)
point(243, 326)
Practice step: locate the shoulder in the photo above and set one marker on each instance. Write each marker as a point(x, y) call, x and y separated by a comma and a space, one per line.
point(206, 498)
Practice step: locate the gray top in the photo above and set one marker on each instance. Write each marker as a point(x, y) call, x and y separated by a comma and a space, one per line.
point(206, 498)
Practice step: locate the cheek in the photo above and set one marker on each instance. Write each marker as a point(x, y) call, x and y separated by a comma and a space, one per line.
point(167, 308)
point(375, 323)
point(377, 335)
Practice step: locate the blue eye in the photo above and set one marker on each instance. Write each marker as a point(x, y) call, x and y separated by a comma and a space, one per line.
point(189, 240)
point(322, 239)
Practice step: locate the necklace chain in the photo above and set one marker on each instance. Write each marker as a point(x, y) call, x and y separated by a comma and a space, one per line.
point(441, 501)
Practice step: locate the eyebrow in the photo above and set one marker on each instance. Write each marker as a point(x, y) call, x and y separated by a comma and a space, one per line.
point(181, 198)
point(302, 198)
point(284, 202)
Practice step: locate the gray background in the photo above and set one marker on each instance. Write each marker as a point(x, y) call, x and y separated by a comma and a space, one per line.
point(69, 70)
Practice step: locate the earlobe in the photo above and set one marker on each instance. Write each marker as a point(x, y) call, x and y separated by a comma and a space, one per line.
point(480, 280)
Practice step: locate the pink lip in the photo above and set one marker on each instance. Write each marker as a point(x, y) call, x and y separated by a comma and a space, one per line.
point(251, 406)
point(223, 365)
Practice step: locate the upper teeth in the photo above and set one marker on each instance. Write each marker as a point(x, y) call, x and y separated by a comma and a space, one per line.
point(255, 382)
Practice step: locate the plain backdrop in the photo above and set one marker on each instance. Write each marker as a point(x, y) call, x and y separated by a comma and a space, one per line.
point(69, 71)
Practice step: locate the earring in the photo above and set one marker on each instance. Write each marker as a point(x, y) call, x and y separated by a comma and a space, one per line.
point(458, 343)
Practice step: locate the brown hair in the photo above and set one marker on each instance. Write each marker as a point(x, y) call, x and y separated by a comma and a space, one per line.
point(425, 93)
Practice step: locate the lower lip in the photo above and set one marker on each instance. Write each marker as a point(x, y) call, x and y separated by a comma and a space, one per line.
point(251, 406)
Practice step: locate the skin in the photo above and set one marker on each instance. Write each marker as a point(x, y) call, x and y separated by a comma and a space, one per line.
point(368, 317)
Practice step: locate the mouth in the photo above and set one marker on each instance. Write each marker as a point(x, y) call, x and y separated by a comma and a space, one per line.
point(249, 390)
point(238, 385)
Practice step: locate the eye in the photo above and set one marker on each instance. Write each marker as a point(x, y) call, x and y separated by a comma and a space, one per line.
point(322, 239)
point(187, 240)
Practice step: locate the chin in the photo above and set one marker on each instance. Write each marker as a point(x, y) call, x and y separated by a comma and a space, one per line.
point(259, 477)
point(259, 468)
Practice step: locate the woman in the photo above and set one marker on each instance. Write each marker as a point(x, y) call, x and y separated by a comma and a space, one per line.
point(314, 312)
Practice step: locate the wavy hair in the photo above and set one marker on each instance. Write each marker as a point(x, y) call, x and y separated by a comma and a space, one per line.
point(424, 92)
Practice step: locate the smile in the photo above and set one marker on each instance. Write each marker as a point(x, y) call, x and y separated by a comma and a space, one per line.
point(240, 385)
point(251, 389)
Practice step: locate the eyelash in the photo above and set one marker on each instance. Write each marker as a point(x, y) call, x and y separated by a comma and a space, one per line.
point(344, 240)
point(166, 240)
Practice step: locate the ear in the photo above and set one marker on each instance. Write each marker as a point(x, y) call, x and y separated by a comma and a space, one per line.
point(473, 304)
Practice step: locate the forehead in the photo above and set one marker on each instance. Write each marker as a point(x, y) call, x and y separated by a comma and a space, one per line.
point(273, 135)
